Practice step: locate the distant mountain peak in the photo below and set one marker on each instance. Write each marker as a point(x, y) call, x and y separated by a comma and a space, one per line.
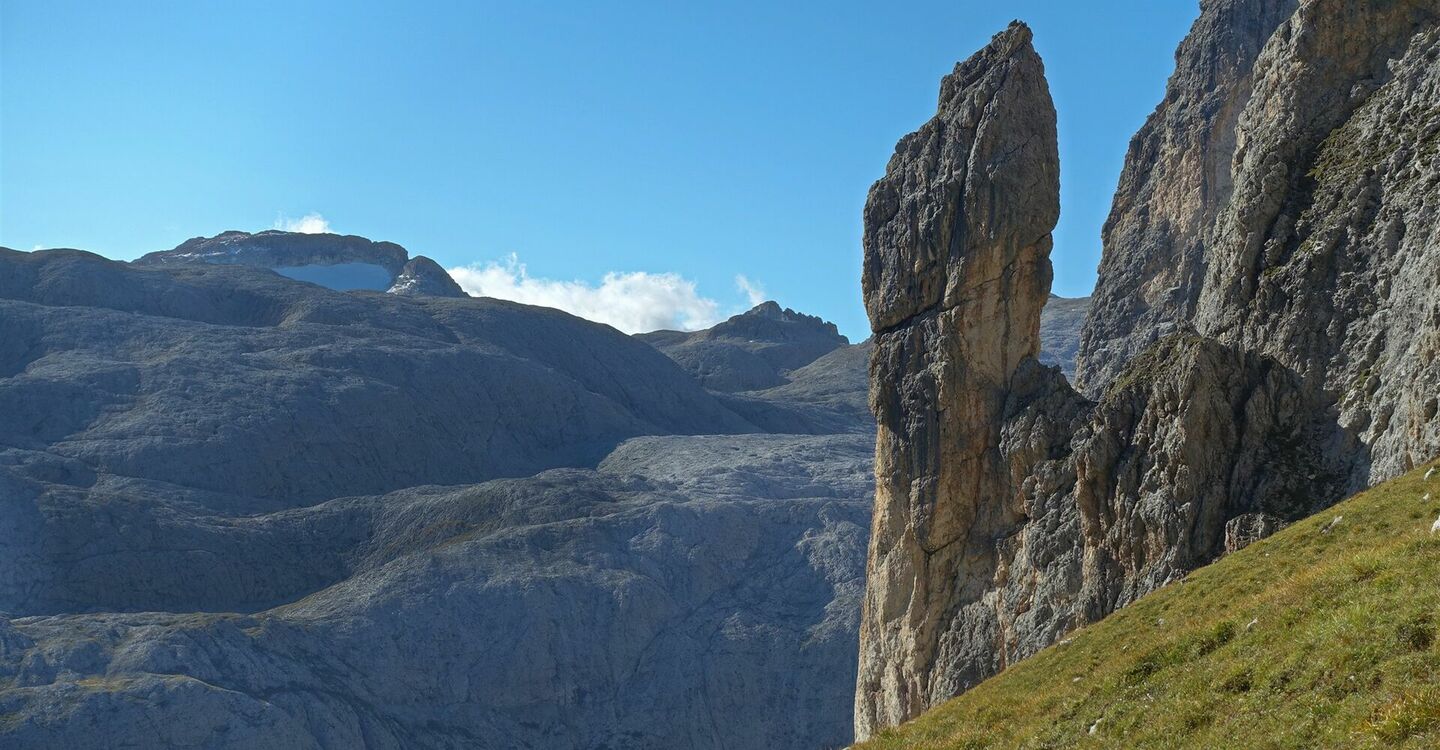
point(768, 308)
point(338, 261)
point(752, 350)
point(424, 276)
point(768, 321)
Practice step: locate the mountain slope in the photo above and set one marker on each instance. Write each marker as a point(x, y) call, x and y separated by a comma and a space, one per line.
point(233, 379)
point(691, 591)
point(165, 394)
point(221, 525)
point(1323, 635)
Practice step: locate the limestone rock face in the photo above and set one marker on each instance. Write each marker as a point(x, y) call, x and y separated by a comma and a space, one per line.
point(1281, 200)
point(1327, 257)
point(957, 269)
point(1175, 180)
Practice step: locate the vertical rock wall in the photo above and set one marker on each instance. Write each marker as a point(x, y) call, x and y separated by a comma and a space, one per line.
point(1328, 256)
point(957, 269)
point(1175, 180)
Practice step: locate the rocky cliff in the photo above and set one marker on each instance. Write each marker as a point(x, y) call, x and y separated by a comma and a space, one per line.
point(1175, 180)
point(1060, 324)
point(1281, 200)
point(1327, 258)
point(1294, 362)
point(957, 269)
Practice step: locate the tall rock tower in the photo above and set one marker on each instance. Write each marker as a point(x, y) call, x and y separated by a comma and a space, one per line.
point(957, 268)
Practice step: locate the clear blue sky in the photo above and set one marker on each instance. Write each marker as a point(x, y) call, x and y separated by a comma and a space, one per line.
point(733, 138)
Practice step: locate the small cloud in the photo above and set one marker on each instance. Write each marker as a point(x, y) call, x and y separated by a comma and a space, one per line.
point(750, 289)
point(633, 302)
point(37, 247)
point(311, 223)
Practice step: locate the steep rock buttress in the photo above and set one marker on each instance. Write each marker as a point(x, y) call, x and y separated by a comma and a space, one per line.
point(957, 269)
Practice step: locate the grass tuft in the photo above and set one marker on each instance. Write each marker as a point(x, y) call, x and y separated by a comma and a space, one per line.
point(1411, 715)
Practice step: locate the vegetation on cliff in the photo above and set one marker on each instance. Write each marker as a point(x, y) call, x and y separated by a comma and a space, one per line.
point(1323, 635)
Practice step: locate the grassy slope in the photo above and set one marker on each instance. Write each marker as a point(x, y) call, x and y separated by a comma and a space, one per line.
point(1342, 653)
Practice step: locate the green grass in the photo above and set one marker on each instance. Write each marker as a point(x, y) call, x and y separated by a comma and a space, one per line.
point(1342, 653)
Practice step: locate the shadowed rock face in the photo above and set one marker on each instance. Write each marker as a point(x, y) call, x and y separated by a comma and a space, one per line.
point(336, 261)
point(957, 269)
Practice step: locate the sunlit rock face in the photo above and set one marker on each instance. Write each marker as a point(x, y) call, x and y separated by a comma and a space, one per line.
point(1281, 203)
point(1175, 181)
point(1281, 200)
point(957, 269)
point(1327, 257)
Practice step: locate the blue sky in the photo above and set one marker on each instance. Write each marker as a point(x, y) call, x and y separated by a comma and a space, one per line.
point(577, 139)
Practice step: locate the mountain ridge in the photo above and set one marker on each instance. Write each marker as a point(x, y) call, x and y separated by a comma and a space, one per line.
point(340, 262)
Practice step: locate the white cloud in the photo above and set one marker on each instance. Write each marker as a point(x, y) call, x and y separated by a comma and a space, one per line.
point(311, 223)
point(632, 302)
point(750, 289)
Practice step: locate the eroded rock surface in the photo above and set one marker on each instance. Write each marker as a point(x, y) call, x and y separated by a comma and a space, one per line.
point(1328, 257)
point(1174, 183)
point(1060, 324)
point(1282, 200)
point(957, 269)
point(689, 592)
